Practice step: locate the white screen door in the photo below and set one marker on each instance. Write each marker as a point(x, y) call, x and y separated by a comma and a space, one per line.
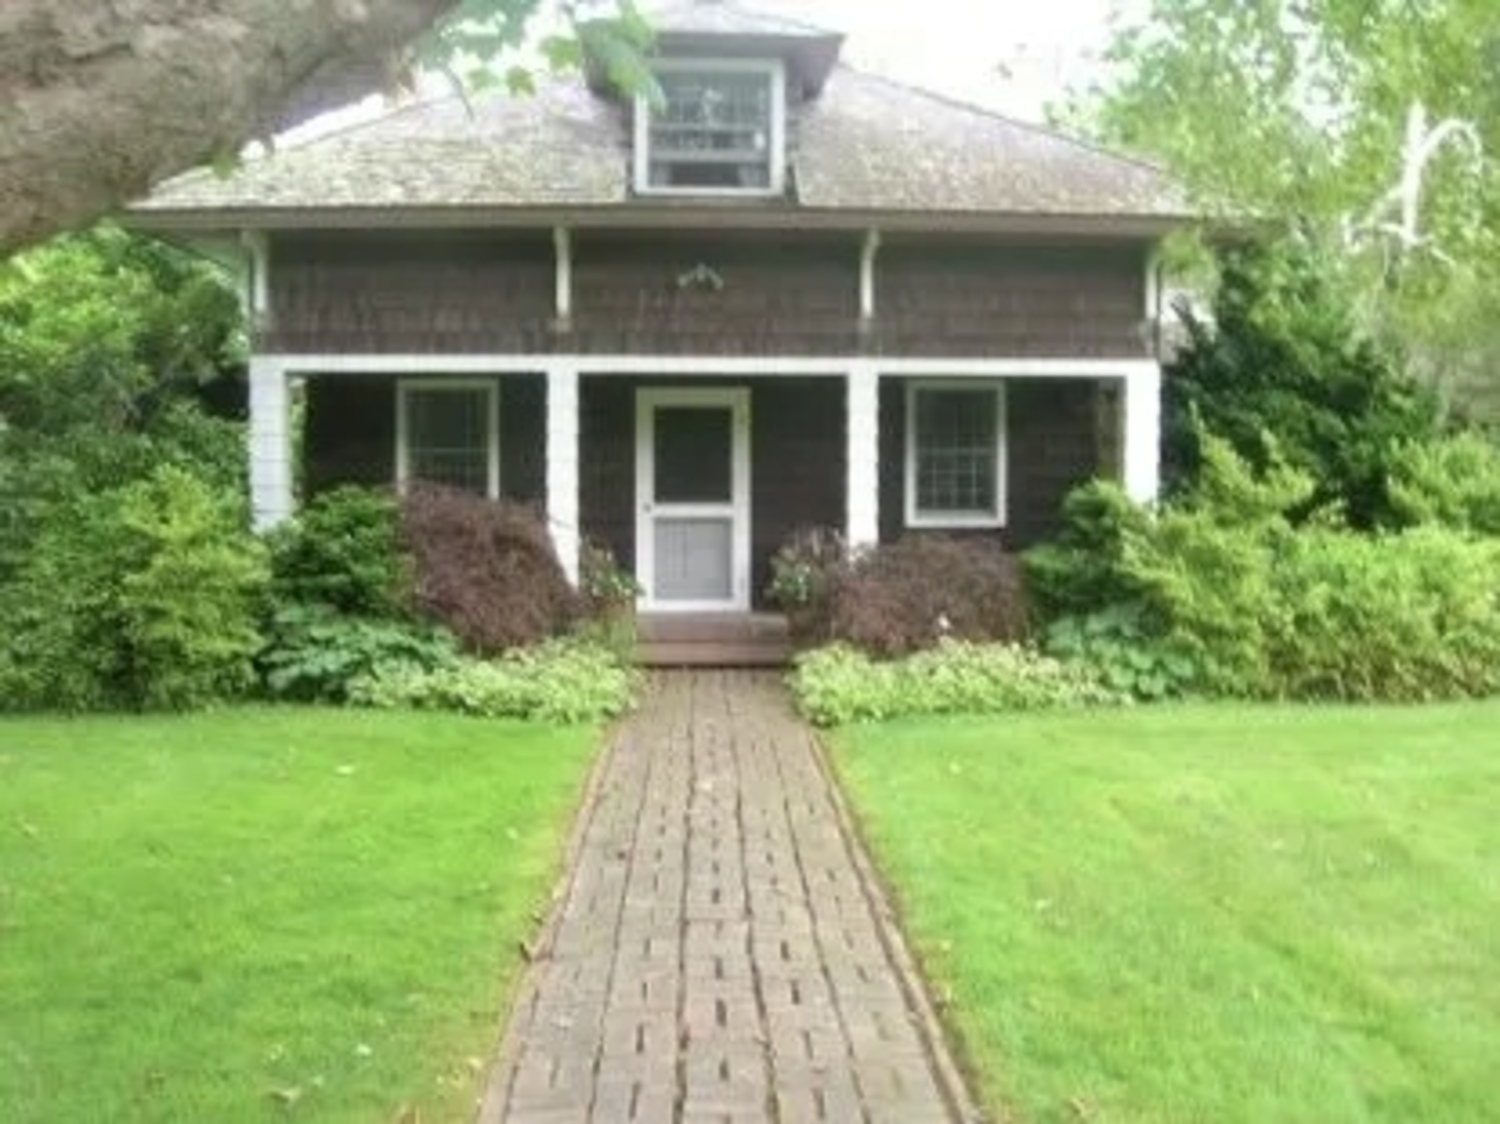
point(693, 498)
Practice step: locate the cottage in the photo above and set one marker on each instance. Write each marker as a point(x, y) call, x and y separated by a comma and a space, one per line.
point(786, 293)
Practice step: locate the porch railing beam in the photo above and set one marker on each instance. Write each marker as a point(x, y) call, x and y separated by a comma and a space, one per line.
point(562, 466)
point(270, 444)
point(862, 458)
point(1143, 433)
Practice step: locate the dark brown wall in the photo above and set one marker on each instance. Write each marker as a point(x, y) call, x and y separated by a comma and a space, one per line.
point(417, 293)
point(775, 294)
point(1052, 446)
point(796, 461)
point(351, 433)
point(1002, 300)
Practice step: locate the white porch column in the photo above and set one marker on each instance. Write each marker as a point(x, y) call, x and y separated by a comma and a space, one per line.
point(1143, 433)
point(562, 465)
point(270, 446)
point(862, 457)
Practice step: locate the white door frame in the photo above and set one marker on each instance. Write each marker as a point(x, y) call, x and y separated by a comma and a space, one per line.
point(737, 401)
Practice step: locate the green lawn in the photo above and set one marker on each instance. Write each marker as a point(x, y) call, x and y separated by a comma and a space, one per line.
point(1204, 914)
point(267, 914)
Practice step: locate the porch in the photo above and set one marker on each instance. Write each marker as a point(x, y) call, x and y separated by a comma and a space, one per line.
point(694, 471)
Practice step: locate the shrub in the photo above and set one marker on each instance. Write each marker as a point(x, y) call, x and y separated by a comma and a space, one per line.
point(485, 569)
point(1224, 597)
point(802, 571)
point(106, 340)
point(1120, 650)
point(1402, 618)
point(314, 653)
point(344, 550)
point(837, 684)
point(562, 681)
point(1083, 568)
point(607, 589)
point(144, 597)
point(900, 597)
point(1454, 482)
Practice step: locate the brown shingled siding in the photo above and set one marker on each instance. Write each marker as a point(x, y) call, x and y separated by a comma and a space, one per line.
point(1010, 300)
point(1052, 444)
point(419, 293)
point(350, 434)
point(796, 461)
point(767, 295)
point(1053, 447)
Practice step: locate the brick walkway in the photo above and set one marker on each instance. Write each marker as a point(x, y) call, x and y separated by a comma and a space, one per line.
point(719, 954)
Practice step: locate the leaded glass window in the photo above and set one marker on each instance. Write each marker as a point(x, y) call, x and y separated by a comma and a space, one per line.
point(448, 436)
point(956, 455)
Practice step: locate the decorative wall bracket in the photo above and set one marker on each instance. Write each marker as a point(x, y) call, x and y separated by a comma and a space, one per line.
point(703, 277)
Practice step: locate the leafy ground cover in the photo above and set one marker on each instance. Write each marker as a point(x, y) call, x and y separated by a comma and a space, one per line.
point(1204, 913)
point(268, 914)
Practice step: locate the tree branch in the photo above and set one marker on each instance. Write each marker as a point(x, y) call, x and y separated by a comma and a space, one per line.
point(102, 99)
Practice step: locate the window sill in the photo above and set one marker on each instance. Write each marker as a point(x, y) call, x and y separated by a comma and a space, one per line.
point(955, 521)
point(708, 192)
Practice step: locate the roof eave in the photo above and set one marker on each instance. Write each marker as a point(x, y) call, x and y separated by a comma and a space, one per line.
point(647, 216)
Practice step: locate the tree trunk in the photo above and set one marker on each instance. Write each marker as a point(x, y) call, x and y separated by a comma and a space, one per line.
point(102, 99)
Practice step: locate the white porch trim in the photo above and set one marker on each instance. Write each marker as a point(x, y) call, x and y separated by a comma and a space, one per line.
point(867, 254)
point(562, 467)
point(862, 456)
point(270, 444)
point(562, 249)
point(258, 269)
point(710, 366)
point(1143, 434)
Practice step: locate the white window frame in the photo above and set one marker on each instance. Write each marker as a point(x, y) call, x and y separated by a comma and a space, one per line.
point(956, 520)
point(407, 387)
point(774, 69)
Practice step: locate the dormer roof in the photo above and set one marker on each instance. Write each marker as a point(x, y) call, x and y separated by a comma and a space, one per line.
point(723, 29)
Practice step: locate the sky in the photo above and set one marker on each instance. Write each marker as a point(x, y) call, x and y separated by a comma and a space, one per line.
point(1014, 56)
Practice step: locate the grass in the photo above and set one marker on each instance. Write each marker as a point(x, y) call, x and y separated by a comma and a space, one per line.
point(1204, 914)
point(267, 914)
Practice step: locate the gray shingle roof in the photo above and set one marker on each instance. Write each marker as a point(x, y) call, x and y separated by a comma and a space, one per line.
point(724, 18)
point(867, 145)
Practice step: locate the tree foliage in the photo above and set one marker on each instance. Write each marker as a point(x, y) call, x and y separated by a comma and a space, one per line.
point(1371, 126)
point(106, 342)
point(144, 596)
point(1286, 373)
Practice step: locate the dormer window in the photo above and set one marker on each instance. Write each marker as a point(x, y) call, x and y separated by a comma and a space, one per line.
point(719, 128)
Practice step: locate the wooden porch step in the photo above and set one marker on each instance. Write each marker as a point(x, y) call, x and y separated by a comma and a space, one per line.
point(713, 640)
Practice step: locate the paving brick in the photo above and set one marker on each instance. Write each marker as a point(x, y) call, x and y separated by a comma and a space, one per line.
point(715, 956)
